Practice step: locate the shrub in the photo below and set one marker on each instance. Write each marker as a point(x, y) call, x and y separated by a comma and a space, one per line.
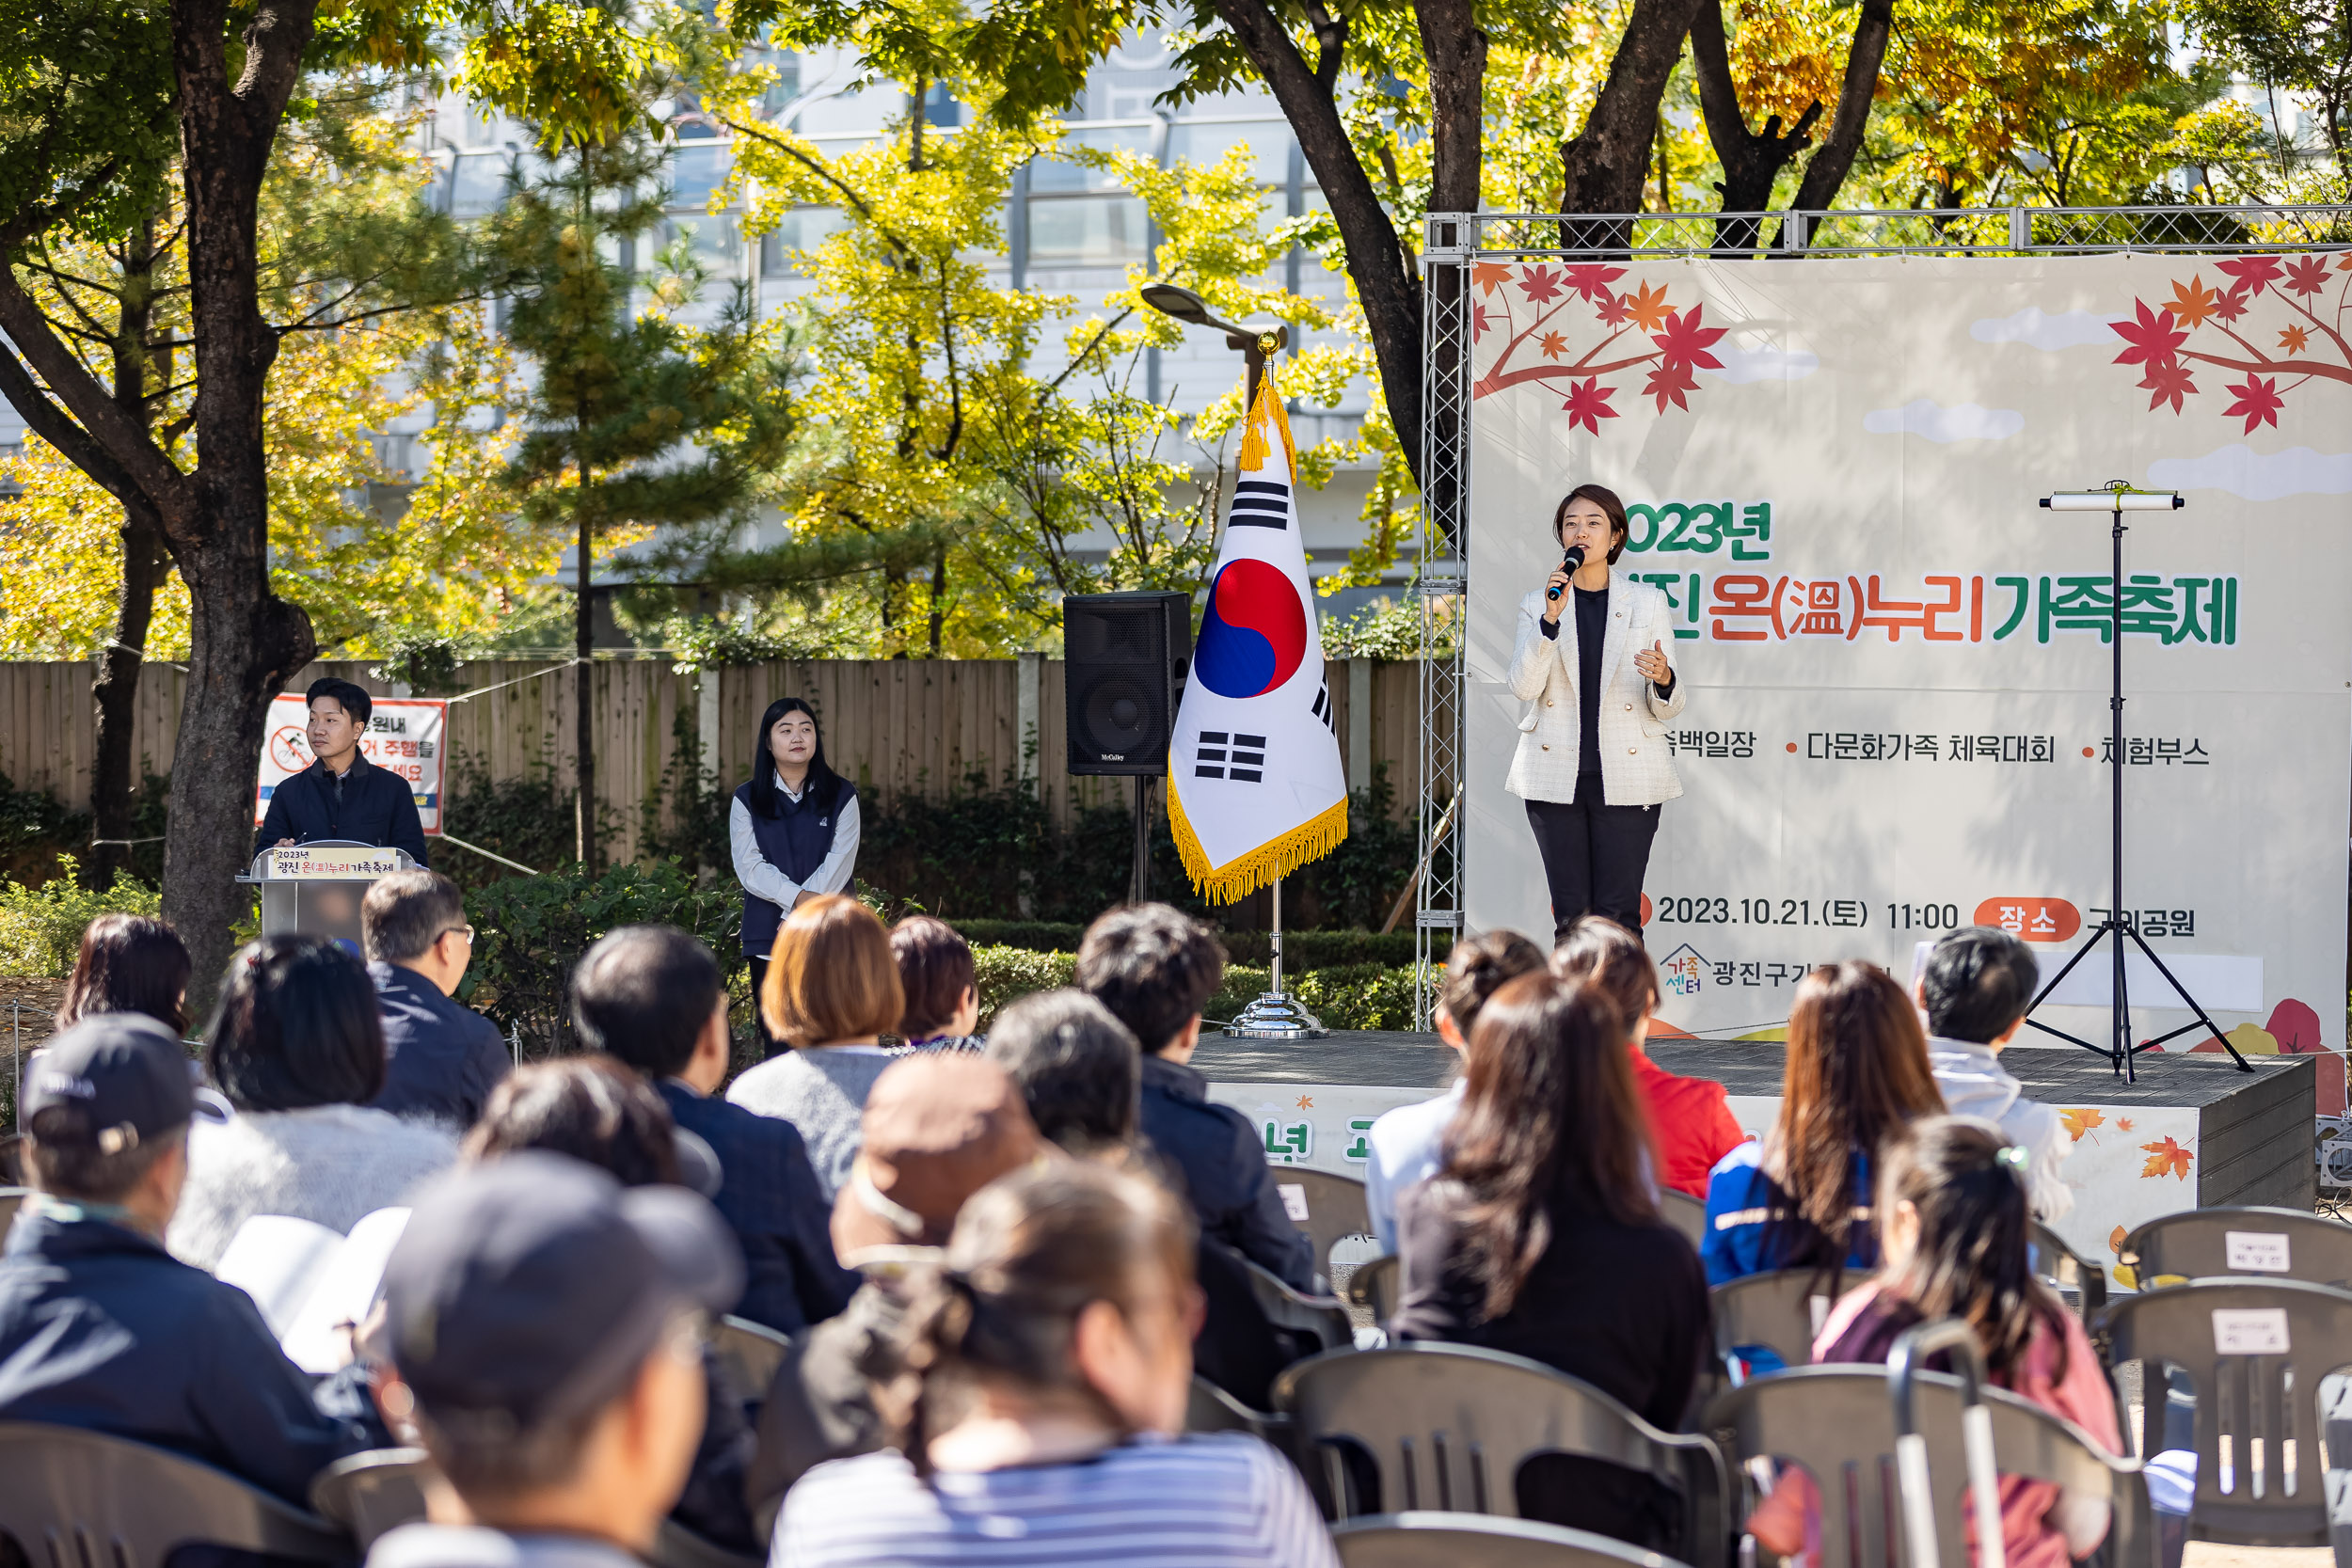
point(40, 927)
point(1003, 975)
point(1359, 996)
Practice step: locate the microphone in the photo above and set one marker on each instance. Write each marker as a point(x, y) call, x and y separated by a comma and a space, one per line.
point(1568, 563)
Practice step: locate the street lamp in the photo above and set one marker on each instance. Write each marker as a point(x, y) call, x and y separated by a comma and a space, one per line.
point(1189, 308)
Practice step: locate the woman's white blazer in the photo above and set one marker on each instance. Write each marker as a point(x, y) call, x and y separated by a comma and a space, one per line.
point(1636, 764)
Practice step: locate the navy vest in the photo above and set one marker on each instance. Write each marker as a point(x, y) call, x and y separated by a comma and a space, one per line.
point(795, 841)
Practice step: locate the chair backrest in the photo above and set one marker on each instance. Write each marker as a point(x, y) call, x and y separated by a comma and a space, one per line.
point(750, 1353)
point(83, 1499)
point(2210, 1244)
point(374, 1493)
point(11, 1199)
point(2064, 1270)
point(1315, 1324)
point(1374, 1285)
point(1449, 1425)
point(1686, 1214)
point(1419, 1539)
point(1334, 1208)
point(2255, 1351)
point(1781, 1310)
point(1838, 1423)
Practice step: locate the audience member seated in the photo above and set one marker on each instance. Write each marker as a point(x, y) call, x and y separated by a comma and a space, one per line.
point(831, 992)
point(100, 1327)
point(1404, 1143)
point(1078, 1069)
point(1976, 988)
point(943, 996)
point(1540, 1236)
point(596, 1111)
point(440, 1060)
point(298, 1050)
point(1154, 969)
point(129, 964)
point(939, 1126)
point(1689, 1118)
point(546, 1329)
point(1856, 1075)
point(653, 997)
point(1045, 1367)
point(1955, 1229)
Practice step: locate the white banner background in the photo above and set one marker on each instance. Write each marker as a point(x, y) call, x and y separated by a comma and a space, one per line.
point(404, 734)
point(1849, 793)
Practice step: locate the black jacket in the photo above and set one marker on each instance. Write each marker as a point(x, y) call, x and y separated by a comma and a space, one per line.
point(372, 804)
point(101, 1329)
point(440, 1060)
point(1224, 1172)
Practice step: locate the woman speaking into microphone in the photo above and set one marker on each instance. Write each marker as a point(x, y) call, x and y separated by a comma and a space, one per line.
point(1592, 666)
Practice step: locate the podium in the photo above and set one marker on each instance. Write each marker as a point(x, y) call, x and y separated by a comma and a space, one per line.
point(315, 889)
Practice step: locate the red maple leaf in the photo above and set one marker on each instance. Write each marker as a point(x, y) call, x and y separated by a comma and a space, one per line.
point(1592, 282)
point(1487, 273)
point(1553, 345)
point(2295, 339)
point(1588, 404)
point(2153, 336)
point(1667, 384)
point(1479, 324)
point(2308, 276)
point(1612, 309)
point(2170, 381)
point(2230, 305)
point(1685, 340)
point(2253, 273)
point(2168, 1158)
point(1541, 285)
point(2258, 399)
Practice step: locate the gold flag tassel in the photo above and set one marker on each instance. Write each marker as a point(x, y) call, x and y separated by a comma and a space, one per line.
point(1269, 861)
point(1268, 411)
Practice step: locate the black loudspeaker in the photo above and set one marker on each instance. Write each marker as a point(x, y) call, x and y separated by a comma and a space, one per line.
point(1126, 656)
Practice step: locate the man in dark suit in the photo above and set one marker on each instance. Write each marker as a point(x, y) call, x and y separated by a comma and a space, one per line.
point(341, 795)
point(440, 1060)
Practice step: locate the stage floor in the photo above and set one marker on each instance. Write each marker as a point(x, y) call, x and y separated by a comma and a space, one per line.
point(2193, 1132)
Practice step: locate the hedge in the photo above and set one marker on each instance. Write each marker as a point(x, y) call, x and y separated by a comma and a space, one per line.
point(1301, 950)
point(1348, 996)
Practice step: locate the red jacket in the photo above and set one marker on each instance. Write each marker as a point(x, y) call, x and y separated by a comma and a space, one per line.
point(1691, 1121)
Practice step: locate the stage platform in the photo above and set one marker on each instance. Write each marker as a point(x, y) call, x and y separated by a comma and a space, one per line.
point(2194, 1132)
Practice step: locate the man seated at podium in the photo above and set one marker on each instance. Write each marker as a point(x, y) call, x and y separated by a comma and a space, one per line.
point(340, 795)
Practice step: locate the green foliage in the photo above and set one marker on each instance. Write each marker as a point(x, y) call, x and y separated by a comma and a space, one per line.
point(526, 819)
point(1301, 950)
point(87, 122)
point(710, 643)
point(40, 927)
point(1363, 995)
point(1360, 996)
point(1002, 974)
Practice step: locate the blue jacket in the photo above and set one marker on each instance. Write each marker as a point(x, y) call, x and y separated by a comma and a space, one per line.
point(1751, 1227)
point(1222, 1161)
point(374, 806)
point(101, 1329)
point(770, 1197)
point(440, 1060)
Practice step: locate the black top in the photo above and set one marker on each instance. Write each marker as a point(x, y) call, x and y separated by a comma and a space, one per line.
point(1623, 1308)
point(370, 804)
point(1591, 629)
point(1221, 1157)
point(440, 1060)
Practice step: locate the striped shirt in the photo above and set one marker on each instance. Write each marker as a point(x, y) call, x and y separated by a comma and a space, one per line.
point(1201, 1501)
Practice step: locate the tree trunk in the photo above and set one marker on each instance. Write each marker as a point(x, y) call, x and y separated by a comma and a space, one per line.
point(939, 597)
point(585, 694)
point(1826, 173)
point(1604, 167)
point(1752, 160)
point(1456, 49)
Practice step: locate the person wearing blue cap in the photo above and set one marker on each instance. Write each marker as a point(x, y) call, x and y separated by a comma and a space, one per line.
point(104, 1330)
point(544, 1327)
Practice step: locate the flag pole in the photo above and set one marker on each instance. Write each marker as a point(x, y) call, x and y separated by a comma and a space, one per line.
point(1276, 1015)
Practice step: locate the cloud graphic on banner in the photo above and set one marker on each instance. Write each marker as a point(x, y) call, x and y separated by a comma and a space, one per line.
point(2036, 328)
point(1968, 421)
point(2257, 476)
point(1742, 365)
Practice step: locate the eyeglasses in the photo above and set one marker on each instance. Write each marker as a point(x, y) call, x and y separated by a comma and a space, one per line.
point(466, 931)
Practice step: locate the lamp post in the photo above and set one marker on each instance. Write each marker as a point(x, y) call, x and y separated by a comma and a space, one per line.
point(1190, 308)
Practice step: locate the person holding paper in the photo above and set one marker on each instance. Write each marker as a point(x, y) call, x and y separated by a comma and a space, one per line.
point(341, 795)
point(104, 1330)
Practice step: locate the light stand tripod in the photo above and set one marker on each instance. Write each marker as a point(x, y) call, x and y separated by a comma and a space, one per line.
point(2114, 499)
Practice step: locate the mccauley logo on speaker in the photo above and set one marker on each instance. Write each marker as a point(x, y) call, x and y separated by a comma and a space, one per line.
point(1255, 787)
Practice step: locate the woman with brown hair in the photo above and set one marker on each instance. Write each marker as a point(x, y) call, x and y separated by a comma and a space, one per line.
point(831, 992)
point(1540, 1236)
point(1045, 1365)
point(942, 997)
point(1857, 1074)
point(1689, 1118)
point(129, 964)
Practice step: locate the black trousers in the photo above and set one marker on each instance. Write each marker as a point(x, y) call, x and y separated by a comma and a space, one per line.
point(770, 1045)
point(1594, 856)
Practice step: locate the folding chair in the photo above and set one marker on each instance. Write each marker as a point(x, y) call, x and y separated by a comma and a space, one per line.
point(374, 1493)
point(1334, 1205)
point(1838, 1423)
point(2243, 1243)
point(2079, 1282)
point(1374, 1286)
point(1684, 1213)
point(82, 1500)
point(1781, 1311)
point(1314, 1324)
point(1420, 1538)
point(750, 1352)
point(2256, 1352)
point(1452, 1424)
point(11, 1199)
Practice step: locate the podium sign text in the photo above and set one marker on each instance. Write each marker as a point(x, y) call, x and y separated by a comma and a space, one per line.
point(306, 864)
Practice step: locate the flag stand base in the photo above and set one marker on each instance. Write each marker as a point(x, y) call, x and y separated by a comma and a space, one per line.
point(1276, 1016)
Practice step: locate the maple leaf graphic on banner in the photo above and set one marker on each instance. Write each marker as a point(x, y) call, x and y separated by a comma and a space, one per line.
point(2167, 383)
point(1587, 404)
point(1591, 282)
point(2258, 399)
point(2166, 1158)
point(2192, 302)
point(1565, 328)
point(2307, 276)
point(1541, 285)
point(1667, 384)
point(1648, 309)
point(1485, 275)
point(1685, 340)
point(2276, 300)
point(2079, 1122)
point(2294, 340)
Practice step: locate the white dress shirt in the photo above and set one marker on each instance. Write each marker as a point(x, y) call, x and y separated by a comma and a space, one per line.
point(761, 878)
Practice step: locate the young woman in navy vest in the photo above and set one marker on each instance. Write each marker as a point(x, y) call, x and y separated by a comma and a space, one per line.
point(793, 827)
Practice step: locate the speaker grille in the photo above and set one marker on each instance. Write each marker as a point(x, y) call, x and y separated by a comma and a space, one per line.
point(1122, 651)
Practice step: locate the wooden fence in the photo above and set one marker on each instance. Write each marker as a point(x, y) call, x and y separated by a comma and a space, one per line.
point(897, 726)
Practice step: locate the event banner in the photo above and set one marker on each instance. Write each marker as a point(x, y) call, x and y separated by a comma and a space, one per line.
point(1899, 662)
point(404, 734)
